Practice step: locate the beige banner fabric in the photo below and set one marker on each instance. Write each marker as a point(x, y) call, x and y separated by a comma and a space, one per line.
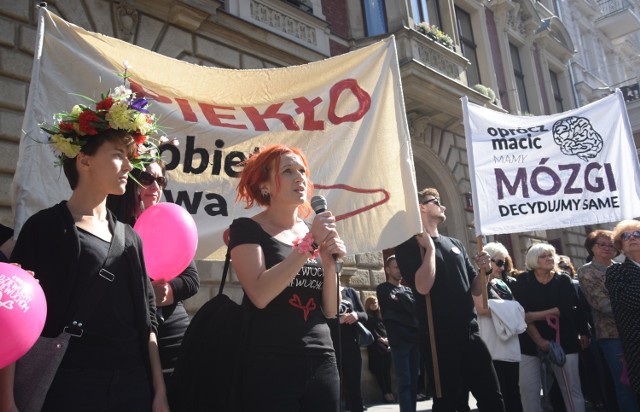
point(346, 113)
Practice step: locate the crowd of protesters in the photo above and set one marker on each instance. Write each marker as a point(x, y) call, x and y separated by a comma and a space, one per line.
point(545, 338)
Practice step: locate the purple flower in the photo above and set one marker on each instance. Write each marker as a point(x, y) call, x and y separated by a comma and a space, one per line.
point(139, 105)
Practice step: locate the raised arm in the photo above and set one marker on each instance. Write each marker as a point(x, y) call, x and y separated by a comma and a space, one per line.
point(426, 273)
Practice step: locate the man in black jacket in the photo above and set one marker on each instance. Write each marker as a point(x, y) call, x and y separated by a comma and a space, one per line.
point(399, 316)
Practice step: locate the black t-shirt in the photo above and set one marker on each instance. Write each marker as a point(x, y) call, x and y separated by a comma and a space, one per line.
point(293, 322)
point(535, 296)
point(110, 339)
point(451, 299)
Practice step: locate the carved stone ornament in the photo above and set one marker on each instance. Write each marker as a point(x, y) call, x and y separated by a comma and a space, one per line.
point(127, 18)
point(437, 61)
point(283, 23)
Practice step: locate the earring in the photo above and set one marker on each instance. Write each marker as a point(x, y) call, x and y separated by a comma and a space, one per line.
point(265, 193)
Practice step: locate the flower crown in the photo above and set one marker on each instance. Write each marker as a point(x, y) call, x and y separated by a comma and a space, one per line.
point(118, 109)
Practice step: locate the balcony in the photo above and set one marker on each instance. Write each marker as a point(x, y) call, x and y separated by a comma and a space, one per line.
point(433, 79)
point(618, 18)
point(291, 19)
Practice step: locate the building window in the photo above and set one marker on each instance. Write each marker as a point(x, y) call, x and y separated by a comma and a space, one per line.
point(556, 91)
point(519, 78)
point(375, 20)
point(304, 5)
point(468, 46)
point(425, 11)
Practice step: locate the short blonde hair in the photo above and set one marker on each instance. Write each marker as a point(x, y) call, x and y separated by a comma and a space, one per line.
point(531, 261)
point(429, 191)
point(622, 227)
point(494, 248)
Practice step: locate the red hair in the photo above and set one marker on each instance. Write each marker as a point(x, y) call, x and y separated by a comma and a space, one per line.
point(256, 171)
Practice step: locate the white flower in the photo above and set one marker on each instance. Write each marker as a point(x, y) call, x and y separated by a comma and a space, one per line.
point(121, 93)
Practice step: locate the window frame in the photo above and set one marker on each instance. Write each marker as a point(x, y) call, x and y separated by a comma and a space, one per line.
point(383, 6)
point(470, 43)
point(519, 79)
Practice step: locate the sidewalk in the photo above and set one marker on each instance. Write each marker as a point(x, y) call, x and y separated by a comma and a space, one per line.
point(423, 406)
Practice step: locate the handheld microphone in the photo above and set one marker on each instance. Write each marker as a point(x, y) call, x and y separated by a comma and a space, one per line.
point(319, 205)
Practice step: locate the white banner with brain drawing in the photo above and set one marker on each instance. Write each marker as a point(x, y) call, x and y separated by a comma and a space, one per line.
point(346, 113)
point(545, 172)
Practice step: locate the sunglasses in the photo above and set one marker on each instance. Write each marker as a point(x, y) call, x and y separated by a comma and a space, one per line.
point(147, 179)
point(563, 266)
point(434, 200)
point(499, 262)
point(627, 235)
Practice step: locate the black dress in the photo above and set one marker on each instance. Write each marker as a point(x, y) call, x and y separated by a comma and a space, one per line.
point(379, 354)
point(289, 360)
point(116, 336)
point(173, 320)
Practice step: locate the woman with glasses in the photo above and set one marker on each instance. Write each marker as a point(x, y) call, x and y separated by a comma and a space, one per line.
point(144, 191)
point(623, 283)
point(565, 265)
point(504, 352)
point(601, 251)
point(548, 296)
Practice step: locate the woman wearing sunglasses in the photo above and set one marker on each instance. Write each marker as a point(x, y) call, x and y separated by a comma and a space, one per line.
point(623, 283)
point(601, 251)
point(173, 320)
point(505, 352)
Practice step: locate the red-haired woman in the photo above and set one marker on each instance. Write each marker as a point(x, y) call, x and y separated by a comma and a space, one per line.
point(289, 278)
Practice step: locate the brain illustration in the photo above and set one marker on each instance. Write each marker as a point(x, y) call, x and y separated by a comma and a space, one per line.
point(576, 136)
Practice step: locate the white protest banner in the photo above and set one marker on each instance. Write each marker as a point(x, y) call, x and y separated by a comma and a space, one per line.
point(545, 172)
point(346, 113)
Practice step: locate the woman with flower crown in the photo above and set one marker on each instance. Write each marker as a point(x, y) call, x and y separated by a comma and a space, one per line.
point(112, 361)
point(287, 271)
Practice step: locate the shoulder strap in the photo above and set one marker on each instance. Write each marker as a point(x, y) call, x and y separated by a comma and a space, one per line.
point(227, 260)
point(98, 283)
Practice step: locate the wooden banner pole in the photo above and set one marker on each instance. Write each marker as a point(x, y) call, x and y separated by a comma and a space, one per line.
point(483, 276)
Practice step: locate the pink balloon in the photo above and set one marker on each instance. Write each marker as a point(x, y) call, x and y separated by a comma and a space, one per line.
point(170, 238)
point(23, 311)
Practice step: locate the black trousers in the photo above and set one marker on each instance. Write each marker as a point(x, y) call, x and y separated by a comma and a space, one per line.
point(509, 379)
point(290, 383)
point(380, 367)
point(464, 358)
point(351, 369)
